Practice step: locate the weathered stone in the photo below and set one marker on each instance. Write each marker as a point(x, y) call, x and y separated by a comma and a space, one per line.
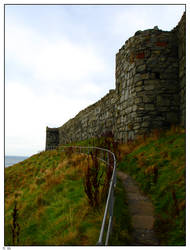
point(136, 126)
point(149, 87)
point(145, 124)
point(157, 124)
point(139, 88)
point(172, 117)
point(139, 83)
point(138, 100)
point(134, 107)
point(148, 99)
point(137, 78)
point(149, 107)
point(141, 68)
point(163, 101)
point(150, 90)
point(154, 82)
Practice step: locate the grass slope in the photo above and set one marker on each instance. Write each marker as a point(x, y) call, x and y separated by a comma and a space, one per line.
point(52, 206)
point(158, 165)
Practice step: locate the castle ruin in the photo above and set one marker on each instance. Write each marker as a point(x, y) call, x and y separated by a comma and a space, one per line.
point(150, 91)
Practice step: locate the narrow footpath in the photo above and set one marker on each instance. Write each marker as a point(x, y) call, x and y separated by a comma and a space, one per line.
point(141, 211)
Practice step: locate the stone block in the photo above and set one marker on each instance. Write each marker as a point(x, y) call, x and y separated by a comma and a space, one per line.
point(152, 82)
point(134, 107)
point(126, 95)
point(141, 68)
point(139, 83)
point(163, 101)
point(138, 119)
point(157, 124)
point(172, 117)
point(136, 126)
point(139, 77)
point(140, 55)
point(138, 100)
point(149, 107)
point(139, 88)
point(145, 124)
point(148, 99)
point(161, 44)
point(129, 109)
point(149, 87)
point(133, 115)
point(162, 108)
point(122, 98)
point(130, 135)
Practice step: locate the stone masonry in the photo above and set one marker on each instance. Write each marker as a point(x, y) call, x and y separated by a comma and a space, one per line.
point(149, 94)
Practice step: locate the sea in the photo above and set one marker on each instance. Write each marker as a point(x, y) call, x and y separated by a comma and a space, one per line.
point(11, 160)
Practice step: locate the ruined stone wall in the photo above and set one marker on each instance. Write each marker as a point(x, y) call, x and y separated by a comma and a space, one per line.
point(149, 94)
point(181, 35)
point(52, 137)
point(92, 121)
point(147, 82)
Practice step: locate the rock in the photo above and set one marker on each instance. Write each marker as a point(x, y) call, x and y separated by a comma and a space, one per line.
point(138, 32)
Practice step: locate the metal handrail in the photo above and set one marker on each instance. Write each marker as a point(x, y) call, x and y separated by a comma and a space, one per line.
point(110, 198)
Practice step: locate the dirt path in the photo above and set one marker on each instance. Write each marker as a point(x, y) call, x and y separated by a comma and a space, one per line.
point(141, 211)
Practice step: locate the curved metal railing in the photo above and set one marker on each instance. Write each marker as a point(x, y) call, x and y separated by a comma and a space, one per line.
point(110, 198)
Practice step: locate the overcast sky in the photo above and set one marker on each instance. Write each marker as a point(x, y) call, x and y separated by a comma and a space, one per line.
point(61, 58)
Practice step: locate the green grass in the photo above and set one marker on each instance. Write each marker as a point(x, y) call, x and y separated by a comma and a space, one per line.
point(52, 206)
point(158, 165)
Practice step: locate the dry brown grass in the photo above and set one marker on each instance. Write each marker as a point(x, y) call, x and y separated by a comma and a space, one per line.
point(9, 202)
point(141, 140)
point(40, 212)
point(70, 236)
point(52, 180)
point(62, 164)
point(32, 187)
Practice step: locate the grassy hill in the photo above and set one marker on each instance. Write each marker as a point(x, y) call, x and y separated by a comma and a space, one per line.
point(52, 206)
point(46, 202)
point(157, 163)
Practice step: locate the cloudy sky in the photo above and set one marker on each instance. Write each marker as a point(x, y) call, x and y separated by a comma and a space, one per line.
point(61, 58)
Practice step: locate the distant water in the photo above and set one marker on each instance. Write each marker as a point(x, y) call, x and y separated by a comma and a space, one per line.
point(11, 160)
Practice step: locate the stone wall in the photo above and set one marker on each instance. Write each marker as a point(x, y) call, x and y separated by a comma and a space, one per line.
point(92, 121)
point(147, 82)
point(52, 137)
point(181, 36)
point(149, 94)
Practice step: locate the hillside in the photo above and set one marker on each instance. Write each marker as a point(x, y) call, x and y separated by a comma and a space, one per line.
point(157, 163)
point(52, 207)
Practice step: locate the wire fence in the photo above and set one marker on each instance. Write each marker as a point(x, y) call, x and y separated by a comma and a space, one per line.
point(105, 156)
